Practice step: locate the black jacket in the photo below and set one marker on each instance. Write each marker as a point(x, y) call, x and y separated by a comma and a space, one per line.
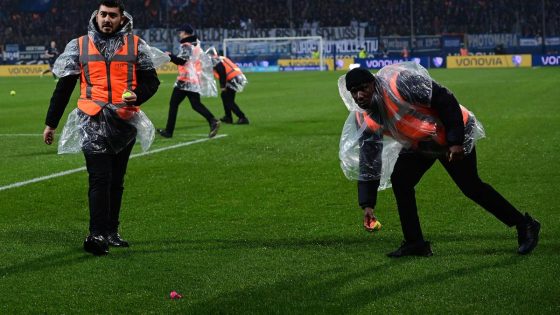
point(449, 112)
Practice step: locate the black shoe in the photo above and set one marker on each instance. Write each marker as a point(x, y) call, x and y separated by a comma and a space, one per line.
point(418, 248)
point(226, 120)
point(96, 244)
point(214, 126)
point(116, 240)
point(164, 133)
point(242, 121)
point(528, 234)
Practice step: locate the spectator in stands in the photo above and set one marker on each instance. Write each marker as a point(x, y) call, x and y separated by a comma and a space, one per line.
point(391, 18)
point(463, 51)
point(384, 51)
point(405, 54)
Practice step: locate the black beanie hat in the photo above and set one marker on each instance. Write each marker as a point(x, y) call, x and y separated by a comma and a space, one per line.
point(187, 28)
point(358, 76)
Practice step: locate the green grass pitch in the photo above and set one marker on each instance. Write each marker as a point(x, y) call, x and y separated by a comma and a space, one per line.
point(263, 220)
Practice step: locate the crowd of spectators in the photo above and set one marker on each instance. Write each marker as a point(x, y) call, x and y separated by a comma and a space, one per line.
point(62, 20)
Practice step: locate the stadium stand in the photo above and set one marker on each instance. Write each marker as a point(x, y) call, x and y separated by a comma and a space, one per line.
point(38, 22)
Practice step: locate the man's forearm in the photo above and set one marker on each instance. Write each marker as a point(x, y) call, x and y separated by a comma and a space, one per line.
point(60, 98)
point(367, 193)
point(148, 84)
point(177, 60)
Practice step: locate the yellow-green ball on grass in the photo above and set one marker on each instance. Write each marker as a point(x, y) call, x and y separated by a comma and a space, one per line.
point(13, 93)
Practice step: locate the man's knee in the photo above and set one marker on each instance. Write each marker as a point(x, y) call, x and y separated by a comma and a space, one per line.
point(400, 182)
point(100, 179)
point(473, 190)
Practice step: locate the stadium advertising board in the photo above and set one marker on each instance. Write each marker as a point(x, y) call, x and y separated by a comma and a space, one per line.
point(378, 63)
point(546, 60)
point(451, 41)
point(490, 41)
point(427, 43)
point(310, 64)
point(32, 54)
point(258, 66)
point(22, 70)
point(19, 54)
point(437, 62)
point(307, 64)
point(163, 37)
point(552, 41)
point(11, 53)
point(489, 61)
point(395, 43)
point(328, 33)
point(349, 46)
point(167, 68)
point(529, 42)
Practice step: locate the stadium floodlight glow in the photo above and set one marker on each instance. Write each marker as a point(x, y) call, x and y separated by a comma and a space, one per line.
point(297, 47)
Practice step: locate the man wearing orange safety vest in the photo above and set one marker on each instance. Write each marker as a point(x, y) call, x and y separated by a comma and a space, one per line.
point(404, 103)
point(232, 80)
point(116, 76)
point(188, 83)
point(463, 51)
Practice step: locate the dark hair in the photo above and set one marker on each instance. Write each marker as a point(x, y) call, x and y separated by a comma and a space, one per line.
point(358, 76)
point(112, 4)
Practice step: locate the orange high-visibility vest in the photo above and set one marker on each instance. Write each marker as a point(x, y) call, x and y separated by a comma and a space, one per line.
point(103, 82)
point(410, 125)
point(184, 69)
point(232, 70)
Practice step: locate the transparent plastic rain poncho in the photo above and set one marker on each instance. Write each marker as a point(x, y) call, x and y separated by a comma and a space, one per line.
point(106, 132)
point(239, 82)
point(406, 123)
point(197, 74)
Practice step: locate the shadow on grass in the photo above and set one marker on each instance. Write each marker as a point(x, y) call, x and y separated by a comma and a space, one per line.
point(76, 255)
point(34, 236)
point(54, 260)
point(314, 294)
point(295, 243)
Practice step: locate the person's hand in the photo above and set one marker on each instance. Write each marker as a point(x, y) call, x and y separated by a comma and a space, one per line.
point(129, 97)
point(168, 52)
point(224, 89)
point(370, 221)
point(48, 135)
point(455, 153)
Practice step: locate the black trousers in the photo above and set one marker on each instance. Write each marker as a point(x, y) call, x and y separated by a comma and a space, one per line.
point(177, 97)
point(409, 169)
point(106, 179)
point(228, 99)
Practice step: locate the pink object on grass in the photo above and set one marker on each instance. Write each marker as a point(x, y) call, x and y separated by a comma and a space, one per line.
point(174, 295)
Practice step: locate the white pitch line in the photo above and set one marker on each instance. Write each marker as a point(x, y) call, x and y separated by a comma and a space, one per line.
point(40, 134)
point(64, 173)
